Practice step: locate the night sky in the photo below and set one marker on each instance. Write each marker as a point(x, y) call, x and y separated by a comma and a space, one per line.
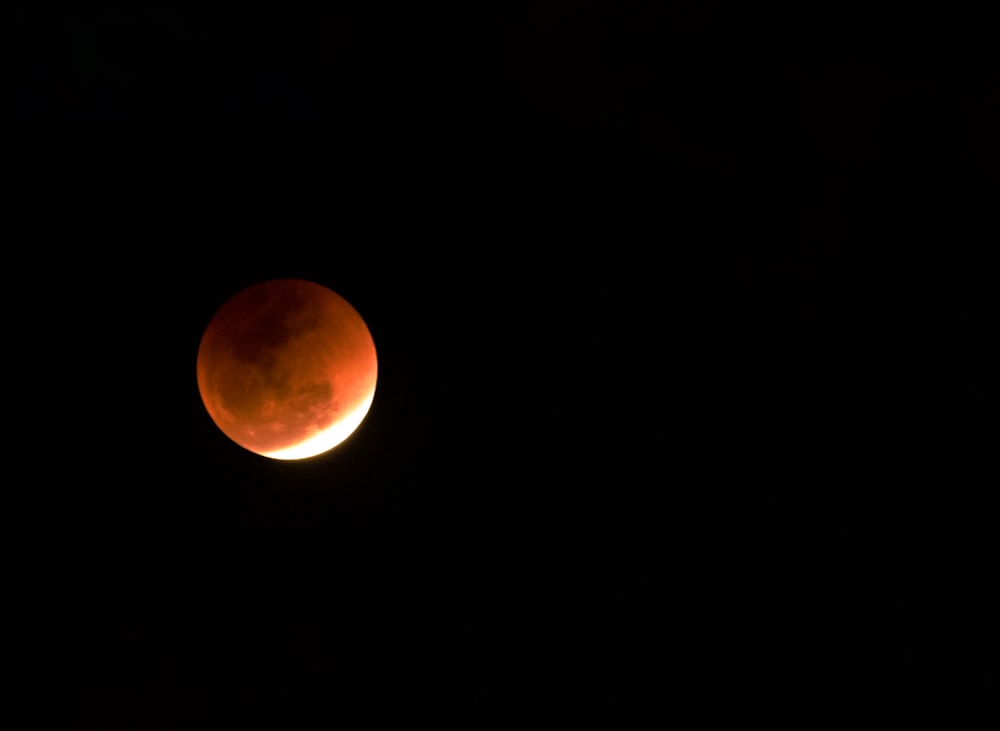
point(685, 316)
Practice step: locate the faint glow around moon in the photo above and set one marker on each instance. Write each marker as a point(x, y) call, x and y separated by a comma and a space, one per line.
point(327, 439)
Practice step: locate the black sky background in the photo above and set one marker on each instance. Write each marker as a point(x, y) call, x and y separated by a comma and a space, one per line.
point(686, 403)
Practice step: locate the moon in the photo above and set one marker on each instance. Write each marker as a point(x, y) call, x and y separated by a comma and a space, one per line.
point(287, 369)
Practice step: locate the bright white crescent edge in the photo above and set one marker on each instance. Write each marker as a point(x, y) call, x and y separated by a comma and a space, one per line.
point(328, 438)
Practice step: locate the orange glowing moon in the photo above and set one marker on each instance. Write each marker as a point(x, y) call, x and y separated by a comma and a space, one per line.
point(287, 369)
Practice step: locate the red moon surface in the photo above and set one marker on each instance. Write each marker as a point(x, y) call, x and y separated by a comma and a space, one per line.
point(287, 369)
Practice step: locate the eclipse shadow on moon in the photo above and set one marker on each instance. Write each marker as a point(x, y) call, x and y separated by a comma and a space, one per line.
point(287, 369)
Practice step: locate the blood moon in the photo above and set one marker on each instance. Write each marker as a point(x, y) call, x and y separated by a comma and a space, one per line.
point(287, 369)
